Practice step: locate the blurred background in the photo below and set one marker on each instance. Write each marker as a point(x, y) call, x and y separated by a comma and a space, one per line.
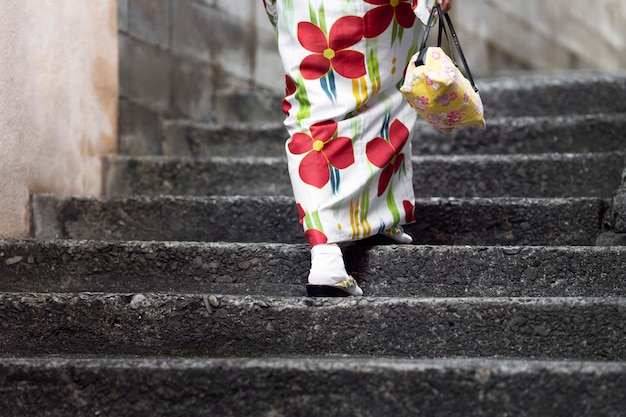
point(193, 55)
point(533, 35)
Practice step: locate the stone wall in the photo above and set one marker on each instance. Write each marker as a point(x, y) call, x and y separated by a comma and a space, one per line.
point(184, 59)
point(513, 35)
point(179, 57)
point(58, 101)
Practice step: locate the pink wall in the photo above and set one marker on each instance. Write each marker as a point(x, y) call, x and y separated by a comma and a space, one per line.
point(58, 101)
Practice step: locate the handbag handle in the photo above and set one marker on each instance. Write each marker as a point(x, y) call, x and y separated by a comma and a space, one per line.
point(442, 28)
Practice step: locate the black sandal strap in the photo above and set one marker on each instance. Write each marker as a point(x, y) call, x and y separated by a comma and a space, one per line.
point(325, 291)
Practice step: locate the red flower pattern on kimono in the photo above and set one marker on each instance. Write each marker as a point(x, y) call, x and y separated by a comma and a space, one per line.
point(387, 155)
point(315, 237)
point(290, 88)
point(301, 212)
point(332, 52)
point(409, 209)
point(377, 20)
point(322, 152)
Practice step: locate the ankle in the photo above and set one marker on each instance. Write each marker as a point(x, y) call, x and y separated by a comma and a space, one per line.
point(327, 265)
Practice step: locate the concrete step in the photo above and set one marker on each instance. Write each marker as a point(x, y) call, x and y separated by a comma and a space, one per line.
point(543, 175)
point(68, 386)
point(601, 132)
point(189, 139)
point(282, 269)
point(553, 94)
point(498, 221)
point(239, 326)
point(154, 175)
point(530, 94)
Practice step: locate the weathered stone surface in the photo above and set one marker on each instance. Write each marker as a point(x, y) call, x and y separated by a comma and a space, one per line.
point(203, 48)
point(192, 97)
point(275, 219)
point(554, 94)
point(235, 107)
point(100, 266)
point(316, 386)
point(619, 210)
point(144, 73)
point(269, 219)
point(194, 176)
point(186, 324)
point(140, 130)
point(545, 175)
point(602, 132)
point(281, 269)
point(507, 221)
point(122, 16)
point(611, 239)
point(149, 20)
point(188, 139)
point(506, 135)
point(192, 34)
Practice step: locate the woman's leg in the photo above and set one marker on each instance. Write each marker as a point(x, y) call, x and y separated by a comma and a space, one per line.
point(349, 151)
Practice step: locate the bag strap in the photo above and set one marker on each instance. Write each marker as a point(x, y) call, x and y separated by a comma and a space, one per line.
point(425, 33)
point(442, 28)
point(458, 47)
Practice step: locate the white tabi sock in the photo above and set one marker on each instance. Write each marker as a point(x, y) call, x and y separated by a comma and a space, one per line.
point(328, 268)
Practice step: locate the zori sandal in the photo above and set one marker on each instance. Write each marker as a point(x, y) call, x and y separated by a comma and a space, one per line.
point(393, 236)
point(346, 288)
point(397, 234)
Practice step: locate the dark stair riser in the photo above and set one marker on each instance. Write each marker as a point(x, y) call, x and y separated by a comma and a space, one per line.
point(553, 175)
point(532, 135)
point(281, 269)
point(552, 95)
point(553, 222)
point(522, 95)
point(528, 135)
point(205, 325)
point(368, 388)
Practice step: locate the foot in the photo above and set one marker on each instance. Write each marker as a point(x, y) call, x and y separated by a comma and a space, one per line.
point(397, 234)
point(391, 236)
point(346, 288)
point(328, 276)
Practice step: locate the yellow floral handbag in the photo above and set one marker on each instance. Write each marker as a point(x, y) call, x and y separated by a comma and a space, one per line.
point(436, 88)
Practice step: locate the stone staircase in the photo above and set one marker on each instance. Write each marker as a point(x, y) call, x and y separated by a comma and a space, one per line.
point(181, 292)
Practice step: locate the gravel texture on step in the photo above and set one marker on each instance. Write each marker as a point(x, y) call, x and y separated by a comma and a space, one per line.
point(282, 269)
point(603, 132)
point(189, 139)
point(220, 325)
point(554, 94)
point(533, 175)
point(151, 175)
point(538, 175)
point(62, 386)
point(497, 221)
point(600, 132)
